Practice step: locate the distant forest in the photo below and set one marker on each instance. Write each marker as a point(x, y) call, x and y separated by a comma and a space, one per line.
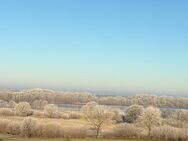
point(39, 97)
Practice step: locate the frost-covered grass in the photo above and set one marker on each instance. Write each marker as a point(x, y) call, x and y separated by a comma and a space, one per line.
point(5, 137)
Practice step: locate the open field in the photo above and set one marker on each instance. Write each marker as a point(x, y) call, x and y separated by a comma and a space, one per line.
point(4, 137)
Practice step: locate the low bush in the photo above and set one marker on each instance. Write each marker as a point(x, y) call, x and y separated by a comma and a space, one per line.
point(38, 130)
point(13, 128)
point(175, 123)
point(126, 131)
point(168, 133)
point(74, 115)
point(52, 130)
point(51, 111)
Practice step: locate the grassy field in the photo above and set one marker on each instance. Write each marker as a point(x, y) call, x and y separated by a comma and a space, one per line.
point(66, 123)
point(4, 137)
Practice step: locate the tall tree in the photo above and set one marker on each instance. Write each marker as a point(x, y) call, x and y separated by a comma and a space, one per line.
point(149, 118)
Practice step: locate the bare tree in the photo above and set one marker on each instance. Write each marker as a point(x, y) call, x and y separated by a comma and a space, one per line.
point(96, 115)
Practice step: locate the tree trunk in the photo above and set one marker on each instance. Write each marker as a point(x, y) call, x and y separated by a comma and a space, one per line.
point(149, 132)
point(98, 132)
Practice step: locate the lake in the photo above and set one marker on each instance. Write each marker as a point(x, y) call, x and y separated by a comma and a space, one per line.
point(76, 107)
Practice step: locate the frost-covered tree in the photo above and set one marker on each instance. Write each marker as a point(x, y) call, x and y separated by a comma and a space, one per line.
point(23, 109)
point(149, 118)
point(39, 104)
point(12, 104)
point(96, 115)
point(133, 112)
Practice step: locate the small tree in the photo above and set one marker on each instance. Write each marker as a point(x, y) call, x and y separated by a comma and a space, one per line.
point(96, 115)
point(52, 129)
point(149, 118)
point(133, 112)
point(23, 109)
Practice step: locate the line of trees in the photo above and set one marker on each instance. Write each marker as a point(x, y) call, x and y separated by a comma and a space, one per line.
point(38, 98)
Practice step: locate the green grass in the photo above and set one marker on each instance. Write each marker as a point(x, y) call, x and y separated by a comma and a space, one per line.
point(5, 137)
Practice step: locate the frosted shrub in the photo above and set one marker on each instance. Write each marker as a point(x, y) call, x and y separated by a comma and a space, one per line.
point(126, 131)
point(23, 109)
point(175, 123)
point(168, 133)
point(74, 115)
point(52, 130)
point(51, 111)
point(38, 130)
point(117, 115)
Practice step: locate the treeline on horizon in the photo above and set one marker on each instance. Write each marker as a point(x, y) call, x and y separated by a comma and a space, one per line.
point(43, 96)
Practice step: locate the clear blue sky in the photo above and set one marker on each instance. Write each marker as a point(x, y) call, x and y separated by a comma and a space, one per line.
point(130, 46)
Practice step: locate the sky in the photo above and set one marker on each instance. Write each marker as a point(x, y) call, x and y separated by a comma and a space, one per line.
point(105, 46)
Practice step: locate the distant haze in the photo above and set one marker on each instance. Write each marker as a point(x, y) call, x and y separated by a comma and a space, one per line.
point(103, 46)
